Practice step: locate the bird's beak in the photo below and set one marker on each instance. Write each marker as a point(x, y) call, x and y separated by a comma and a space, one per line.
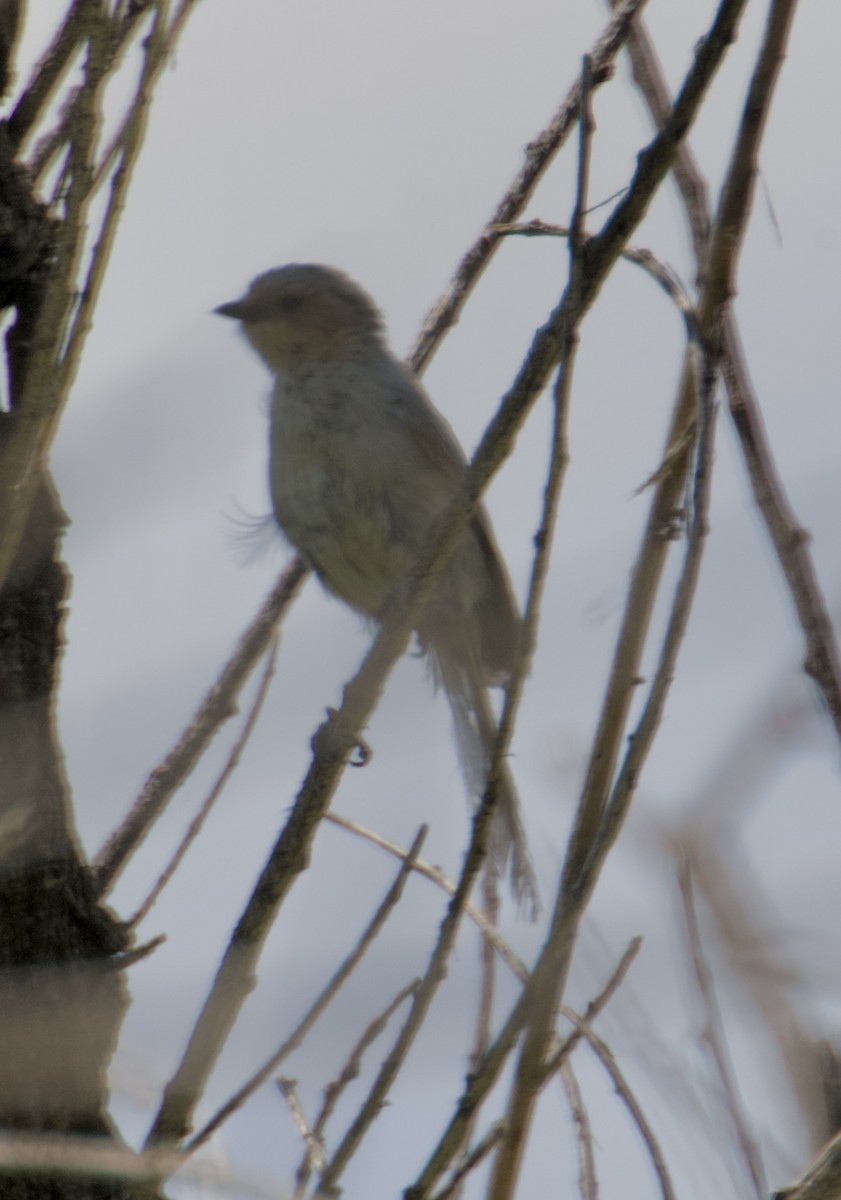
point(235, 310)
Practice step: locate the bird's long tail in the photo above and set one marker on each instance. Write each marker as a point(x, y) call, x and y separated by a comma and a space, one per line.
point(476, 730)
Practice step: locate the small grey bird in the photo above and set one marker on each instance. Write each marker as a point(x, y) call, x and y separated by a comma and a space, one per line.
point(361, 469)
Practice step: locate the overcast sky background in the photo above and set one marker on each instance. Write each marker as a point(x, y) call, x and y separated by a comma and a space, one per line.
point(378, 137)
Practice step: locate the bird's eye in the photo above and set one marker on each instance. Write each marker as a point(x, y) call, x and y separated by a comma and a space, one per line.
point(290, 303)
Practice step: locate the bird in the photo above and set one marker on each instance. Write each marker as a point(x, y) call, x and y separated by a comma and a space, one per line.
point(362, 468)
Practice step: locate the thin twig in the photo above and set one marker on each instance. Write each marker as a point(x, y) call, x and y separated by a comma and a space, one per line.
point(421, 1001)
point(651, 83)
point(484, 1015)
point(197, 824)
point(539, 155)
point(47, 148)
point(328, 993)
point(471, 1161)
point(790, 541)
point(588, 843)
point(486, 1075)
point(586, 1019)
point(47, 73)
point(350, 1072)
point(158, 48)
point(626, 1095)
point(64, 318)
point(122, 139)
point(660, 272)
point(588, 1183)
point(489, 931)
point(641, 739)
point(218, 705)
point(715, 1038)
point(38, 394)
point(314, 1154)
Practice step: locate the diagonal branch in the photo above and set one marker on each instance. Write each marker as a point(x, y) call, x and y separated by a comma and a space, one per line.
point(790, 541)
point(588, 846)
point(333, 742)
point(217, 706)
point(539, 154)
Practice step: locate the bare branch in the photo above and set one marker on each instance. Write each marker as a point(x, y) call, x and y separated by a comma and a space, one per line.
point(539, 155)
point(582, 1022)
point(218, 705)
point(232, 762)
point(48, 72)
point(822, 1181)
point(471, 1161)
point(790, 541)
point(587, 1181)
point(350, 1072)
point(321, 1002)
point(489, 931)
point(486, 1075)
point(714, 1038)
point(63, 319)
point(587, 844)
point(606, 1058)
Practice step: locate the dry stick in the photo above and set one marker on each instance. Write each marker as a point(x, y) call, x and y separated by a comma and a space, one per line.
point(124, 132)
point(422, 999)
point(543, 541)
point(340, 976)
point(559, 454)
point(158, 48)
point(715, 1039)
point(215, 792)
point(334, 740)
point(483, 1079)
point(87, 1156)
point(789, 539)
point(594, 831)
point(606, 1058)
point(587, 1180)
point(643, 735)
point(660, 272)
point(478, 1083)
point(62, 326)
point(822, 1181)
point(37, 399)
point(477, 848)
point(48, 147)
point(559, 459)
point(539, 155)
point(218, 705)
point(599, 253)
point(583, 1021)
point(484, 1016)
point(314, 1150)
point(351, 1070)
point(488, 930)
point(718, 274)
point(48, 72)
point(479, 1151)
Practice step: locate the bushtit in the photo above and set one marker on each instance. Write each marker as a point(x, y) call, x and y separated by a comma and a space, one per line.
point(361, 468)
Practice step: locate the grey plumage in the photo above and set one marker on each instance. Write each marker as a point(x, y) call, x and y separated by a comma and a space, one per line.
point(362, 466)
